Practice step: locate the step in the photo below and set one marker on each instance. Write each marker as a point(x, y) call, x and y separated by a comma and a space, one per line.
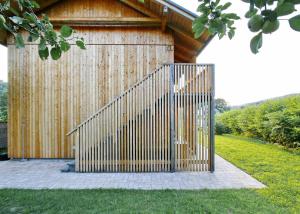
point(70, 167)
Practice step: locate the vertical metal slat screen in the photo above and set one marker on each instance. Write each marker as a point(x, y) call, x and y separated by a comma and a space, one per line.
point(163, 123)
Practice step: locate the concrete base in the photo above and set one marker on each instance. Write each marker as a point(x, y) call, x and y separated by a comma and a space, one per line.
point(46, 174)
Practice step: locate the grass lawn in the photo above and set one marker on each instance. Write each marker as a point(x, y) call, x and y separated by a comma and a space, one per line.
point(271, 165)
point(133, 201)
point(277, 168)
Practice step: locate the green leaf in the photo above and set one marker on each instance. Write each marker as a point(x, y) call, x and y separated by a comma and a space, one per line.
point(12, 10)
point(66, 31)
point(65, 46)
point(260, 3)
point(42, 45)
point(80, 44)
point(217, 2)
point(295, 23)
point(44, 54)
point(198, 26)
point(270, 15)
point(198, 34)
point(19, 41)
point(35, 4)
point(231, 16)
point(251, 13)
point(55, 53)
point(231, 34)
point(256, 43)
point(33, 37)
point(285, 9)
point(203, 8)
point(216, 26)
point(280, 2)
point(30, 17)
point(51, 37)
point(2, 19)
point(293, 1)
point(226, 6)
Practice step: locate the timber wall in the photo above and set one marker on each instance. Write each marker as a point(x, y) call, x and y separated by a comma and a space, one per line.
point(49, 98)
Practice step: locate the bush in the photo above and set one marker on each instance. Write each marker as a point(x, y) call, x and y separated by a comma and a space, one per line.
point(221, 129)
point(275, 121)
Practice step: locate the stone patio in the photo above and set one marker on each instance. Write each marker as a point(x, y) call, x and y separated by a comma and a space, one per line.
point(45, 174)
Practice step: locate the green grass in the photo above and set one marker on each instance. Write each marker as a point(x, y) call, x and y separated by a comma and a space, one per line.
point(277, 168)
point(134, 201)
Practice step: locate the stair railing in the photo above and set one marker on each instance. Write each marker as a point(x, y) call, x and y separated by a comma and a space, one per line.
point(162, 123)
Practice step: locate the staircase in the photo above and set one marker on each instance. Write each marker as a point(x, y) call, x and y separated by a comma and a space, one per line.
point(162, 123)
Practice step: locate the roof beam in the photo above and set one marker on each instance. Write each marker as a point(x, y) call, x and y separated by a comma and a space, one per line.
point(182, 57)
point(185, 50)
point(108, 22)
point(3, 36)
point(139, 8)
point(184, 33)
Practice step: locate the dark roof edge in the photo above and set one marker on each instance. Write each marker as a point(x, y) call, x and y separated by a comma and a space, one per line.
point(205, 44)
point(182, 8)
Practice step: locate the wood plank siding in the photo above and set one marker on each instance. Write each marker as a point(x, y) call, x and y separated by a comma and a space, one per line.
point(49, 98)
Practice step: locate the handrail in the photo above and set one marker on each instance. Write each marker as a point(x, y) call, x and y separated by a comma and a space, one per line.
point(116, 99)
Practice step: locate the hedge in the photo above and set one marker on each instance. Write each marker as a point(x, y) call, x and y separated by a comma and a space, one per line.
point(274, 121)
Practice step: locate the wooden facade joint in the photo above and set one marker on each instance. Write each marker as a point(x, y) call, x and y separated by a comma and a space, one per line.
point(108, 22)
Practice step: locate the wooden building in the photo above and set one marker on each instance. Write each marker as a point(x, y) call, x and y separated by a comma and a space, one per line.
point(133, 101)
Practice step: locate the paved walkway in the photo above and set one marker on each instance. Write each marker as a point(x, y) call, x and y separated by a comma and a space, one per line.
point(45, 174)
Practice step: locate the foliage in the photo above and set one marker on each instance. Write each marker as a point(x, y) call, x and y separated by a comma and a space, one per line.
point(221, 105)
point(275, 121)
point(215, 19)
point(40, 30)
point(263, 15)
point(3, 102)
point(272, 165)
point(221, 129)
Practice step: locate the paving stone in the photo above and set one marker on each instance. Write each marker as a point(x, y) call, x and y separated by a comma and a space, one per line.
point(46, 174)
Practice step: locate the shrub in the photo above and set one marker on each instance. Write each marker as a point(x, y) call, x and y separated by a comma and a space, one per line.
point(275, 121)
point(221, 129)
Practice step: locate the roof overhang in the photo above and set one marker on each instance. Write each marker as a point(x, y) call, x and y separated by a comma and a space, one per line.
point(179, 20)
point(158, 13)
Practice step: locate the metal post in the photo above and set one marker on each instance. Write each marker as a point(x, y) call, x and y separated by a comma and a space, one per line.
point(172, 118)
point(212, 119)
point(22, 138)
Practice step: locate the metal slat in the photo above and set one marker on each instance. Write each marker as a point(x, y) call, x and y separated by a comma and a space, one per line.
point(164, 130)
